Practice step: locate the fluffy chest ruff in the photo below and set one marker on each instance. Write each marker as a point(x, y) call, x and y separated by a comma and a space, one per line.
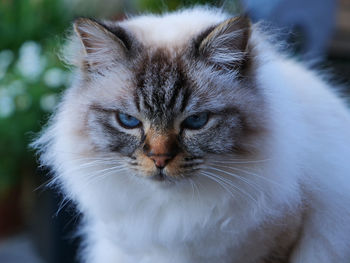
point(194, 232)
point(200, 222)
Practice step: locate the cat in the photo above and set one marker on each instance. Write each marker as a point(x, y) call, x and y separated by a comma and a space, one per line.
point(188, 137)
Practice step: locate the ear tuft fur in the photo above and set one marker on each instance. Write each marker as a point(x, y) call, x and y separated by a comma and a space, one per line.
point(226, 45)
point(101, 45)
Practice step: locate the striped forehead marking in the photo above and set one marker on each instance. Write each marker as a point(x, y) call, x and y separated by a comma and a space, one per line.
point(163, 88)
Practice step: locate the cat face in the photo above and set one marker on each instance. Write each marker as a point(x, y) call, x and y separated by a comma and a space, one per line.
point(167, 111)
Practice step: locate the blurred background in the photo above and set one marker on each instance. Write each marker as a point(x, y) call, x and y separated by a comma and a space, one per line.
point(34, 224)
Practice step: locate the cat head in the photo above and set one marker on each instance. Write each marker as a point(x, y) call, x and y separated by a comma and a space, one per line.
point(165, 107)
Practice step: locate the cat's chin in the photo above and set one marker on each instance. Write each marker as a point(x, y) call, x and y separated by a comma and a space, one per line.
point(159, 177)
point(164, 178)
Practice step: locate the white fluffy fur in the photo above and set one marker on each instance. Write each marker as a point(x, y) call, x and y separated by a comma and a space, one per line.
point(302, 172)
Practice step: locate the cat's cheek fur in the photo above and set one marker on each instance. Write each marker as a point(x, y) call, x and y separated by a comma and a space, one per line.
point(107, 138)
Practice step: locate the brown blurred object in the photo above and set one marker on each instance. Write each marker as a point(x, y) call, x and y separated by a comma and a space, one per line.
point(340, 45)
point(10, 215)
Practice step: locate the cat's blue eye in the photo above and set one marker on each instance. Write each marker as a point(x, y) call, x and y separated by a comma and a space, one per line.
point(128, 121)
point(196, 121)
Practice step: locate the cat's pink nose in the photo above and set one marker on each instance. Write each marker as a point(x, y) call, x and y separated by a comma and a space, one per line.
point(161, 148)
point(160, 160)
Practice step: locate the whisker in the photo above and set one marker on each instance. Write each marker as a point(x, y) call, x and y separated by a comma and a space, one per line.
point(110, 169)
point(249, 182)
point(258, 176)
point(197, 189)
point(239, 161)
point(231, 183)
point(97, 177)
point(220, 183)
point(193, 158)
point(234, 168)
point(47, 183)
point(98, 162)
point(191, 181)
point(62, 204)
point(95, 164)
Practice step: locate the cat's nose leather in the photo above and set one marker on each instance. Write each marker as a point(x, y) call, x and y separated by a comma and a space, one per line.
point(160, 160)
point(161, 148)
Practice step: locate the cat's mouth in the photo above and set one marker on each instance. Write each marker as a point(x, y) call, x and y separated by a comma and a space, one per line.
point(161, 175)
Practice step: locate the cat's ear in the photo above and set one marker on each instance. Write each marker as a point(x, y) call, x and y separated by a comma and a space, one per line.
point(102, 45)
point(226, 45)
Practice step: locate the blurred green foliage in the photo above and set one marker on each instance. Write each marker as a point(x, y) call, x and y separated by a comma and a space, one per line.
point(26, 97)
point(28, 32)
point(169, 5)
point(31, 75)
point(37, 20)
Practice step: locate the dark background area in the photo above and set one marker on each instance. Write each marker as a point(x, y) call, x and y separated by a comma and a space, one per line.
point(35, 226)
